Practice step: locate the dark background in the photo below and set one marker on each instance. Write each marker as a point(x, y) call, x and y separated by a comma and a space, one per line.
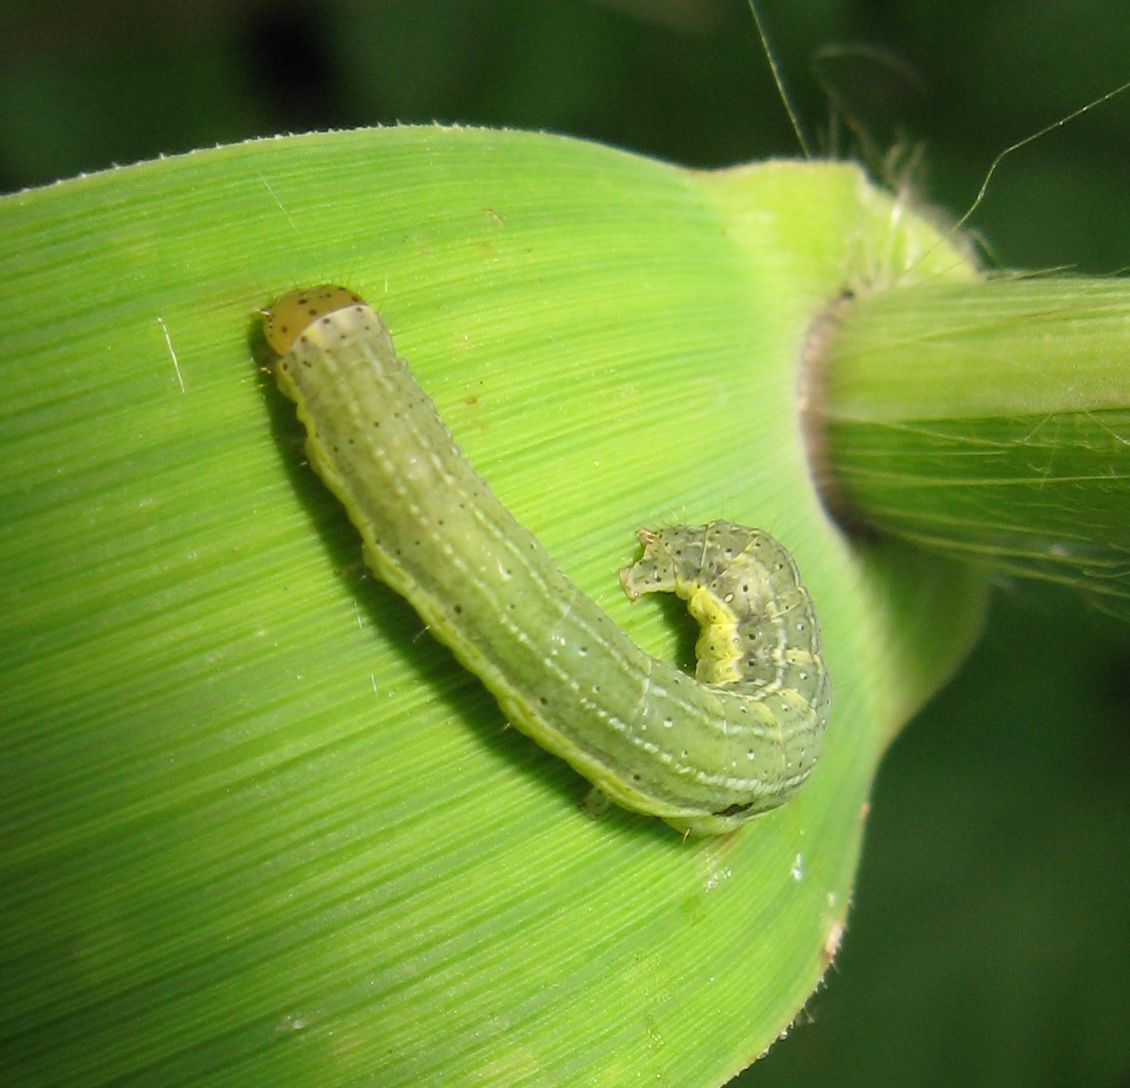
point(990, 939)
point(85, 85)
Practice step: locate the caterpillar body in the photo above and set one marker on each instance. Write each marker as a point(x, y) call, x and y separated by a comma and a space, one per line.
point(705, 753)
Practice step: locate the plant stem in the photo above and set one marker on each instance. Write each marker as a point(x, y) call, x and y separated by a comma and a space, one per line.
point(990, 419)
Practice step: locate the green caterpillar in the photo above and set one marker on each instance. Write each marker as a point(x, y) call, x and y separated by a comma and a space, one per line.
point(704, 754)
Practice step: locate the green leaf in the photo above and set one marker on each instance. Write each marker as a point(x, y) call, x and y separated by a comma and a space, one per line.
point(260, 828)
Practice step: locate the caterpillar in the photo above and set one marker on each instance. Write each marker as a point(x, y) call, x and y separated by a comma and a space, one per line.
point(706, 753)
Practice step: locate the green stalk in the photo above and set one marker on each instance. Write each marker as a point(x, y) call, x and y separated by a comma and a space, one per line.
point(990, 420)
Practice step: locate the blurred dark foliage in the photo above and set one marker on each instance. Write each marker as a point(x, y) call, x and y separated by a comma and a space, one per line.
point(944, 86)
